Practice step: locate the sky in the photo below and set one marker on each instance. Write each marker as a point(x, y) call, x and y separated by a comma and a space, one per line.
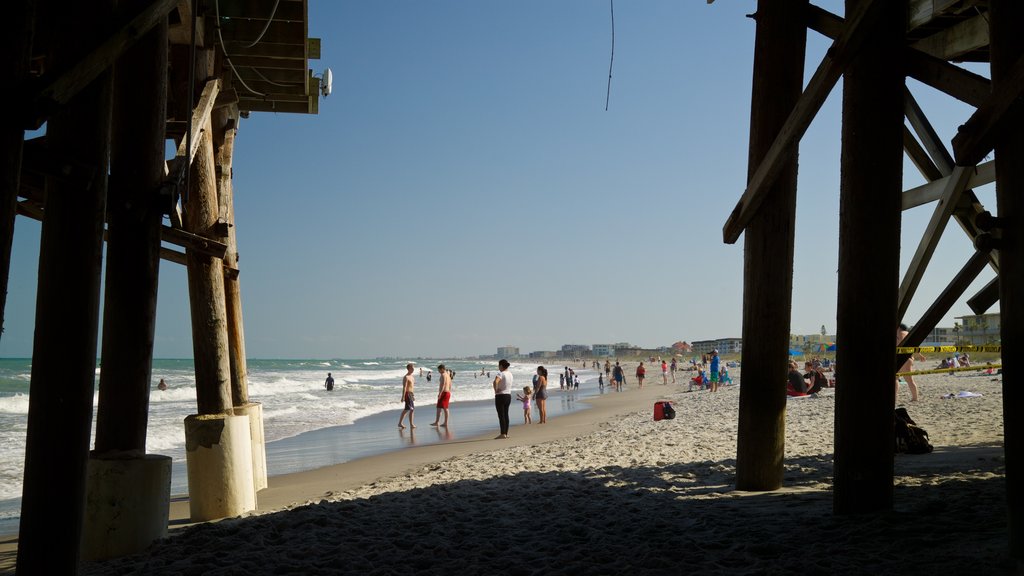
point(464, 187)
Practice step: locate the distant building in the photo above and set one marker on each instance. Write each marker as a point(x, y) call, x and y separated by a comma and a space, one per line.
point(603, 350)
point(508, 351)
point(979, 329)
point(723, 345)
point(544, 354)
point(575, 350)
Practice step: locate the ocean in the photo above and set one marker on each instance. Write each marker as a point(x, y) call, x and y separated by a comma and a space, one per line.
point(295, 405)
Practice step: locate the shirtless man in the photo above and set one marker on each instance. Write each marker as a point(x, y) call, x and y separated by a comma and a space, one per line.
point(407, 397)
point(444, 395)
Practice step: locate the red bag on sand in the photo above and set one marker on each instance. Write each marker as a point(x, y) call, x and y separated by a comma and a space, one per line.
point(663, 410)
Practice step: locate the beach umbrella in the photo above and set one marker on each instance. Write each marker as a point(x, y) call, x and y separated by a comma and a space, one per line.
point(831, 348)
point(793, 352)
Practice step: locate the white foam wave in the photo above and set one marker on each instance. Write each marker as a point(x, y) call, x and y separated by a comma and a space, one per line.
point(17, 404)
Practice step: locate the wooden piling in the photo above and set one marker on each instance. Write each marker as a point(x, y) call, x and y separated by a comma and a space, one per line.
point(15, 54)
point(226, 120)
point(1006, 22)
point(779, 50)
point(133, 247)
point(206, 287)
point(869, 251)
point(67, 310)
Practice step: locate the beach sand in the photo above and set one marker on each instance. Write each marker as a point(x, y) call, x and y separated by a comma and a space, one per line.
point(611, 491)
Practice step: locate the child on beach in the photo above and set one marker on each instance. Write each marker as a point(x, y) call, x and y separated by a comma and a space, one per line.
point(525, 399)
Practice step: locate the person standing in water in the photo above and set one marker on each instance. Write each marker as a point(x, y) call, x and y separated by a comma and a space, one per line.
point(407, 397)
point(444, 395)
point(329, 383)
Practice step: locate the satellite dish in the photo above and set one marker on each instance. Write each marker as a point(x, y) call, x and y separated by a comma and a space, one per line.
point(325, 83)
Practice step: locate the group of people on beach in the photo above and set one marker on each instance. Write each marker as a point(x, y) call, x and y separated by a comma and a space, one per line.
point(444, 396)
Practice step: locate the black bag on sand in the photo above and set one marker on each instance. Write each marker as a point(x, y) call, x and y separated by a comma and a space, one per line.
point(668, 411)
point(910, 438)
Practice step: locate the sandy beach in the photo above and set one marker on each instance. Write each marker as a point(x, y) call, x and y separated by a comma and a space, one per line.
point(609, 490)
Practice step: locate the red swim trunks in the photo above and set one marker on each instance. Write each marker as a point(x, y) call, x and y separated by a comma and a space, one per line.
point(442, 402)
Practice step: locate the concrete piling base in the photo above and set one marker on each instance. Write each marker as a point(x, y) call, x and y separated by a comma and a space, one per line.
point(218, 453)
point(254, 411)
point(127, 504)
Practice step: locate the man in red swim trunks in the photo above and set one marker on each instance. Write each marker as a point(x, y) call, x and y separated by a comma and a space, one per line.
point(444, 395)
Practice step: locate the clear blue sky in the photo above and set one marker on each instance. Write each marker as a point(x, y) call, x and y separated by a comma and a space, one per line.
point(464, 188)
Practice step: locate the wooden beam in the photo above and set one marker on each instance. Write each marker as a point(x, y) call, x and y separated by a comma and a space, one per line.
point(194, 242)
point(957, 40)
point(824, 79)
point(929, 137)
point(956, 183)
point(924, 11)
point(953, 80)
point(1007, 53)
point(57, 88)
point(919, 156)
point(976, 137)
point(869, 245)
point(779, 55)
point(980, 175)
point(985, 298)
point(200, 119)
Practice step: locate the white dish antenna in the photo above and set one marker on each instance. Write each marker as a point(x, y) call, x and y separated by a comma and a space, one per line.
point(325, 82)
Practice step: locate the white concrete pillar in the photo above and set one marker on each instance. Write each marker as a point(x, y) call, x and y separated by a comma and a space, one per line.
point(218, 453)
point(254, 410)
point(127, 505)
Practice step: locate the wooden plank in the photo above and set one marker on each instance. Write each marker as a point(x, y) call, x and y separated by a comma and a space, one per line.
point(927, 134)
point(200, 118)
point(959, 83)
point(56, 89)
point(871, 180)
point(924, 11)
point(985, 298)
point(780, 51)
point(976, 137)
point(919, 156)
point(980, 175)
point(957, 40)
point(262, 10)
point(193, 241)
point(956, 183)
point(251, 105)
point(180, 31)
point(824, 79)
point(172, 256)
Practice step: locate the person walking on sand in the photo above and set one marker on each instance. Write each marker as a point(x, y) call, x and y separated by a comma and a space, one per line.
point(329, 383)
point(444, 395)
point(619, 377)
point(525, 399)
point(407, 397)
point(908, 366)
point(540, 393)
point(502, 396)
point(640, 373)
point(713, 370)
point(674, 368)
point(664, 372)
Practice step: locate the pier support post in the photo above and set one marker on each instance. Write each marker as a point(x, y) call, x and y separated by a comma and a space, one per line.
point(15, 55)
point(1006, 22)
point(127, 505)
point(218, 452)
point(67, 309)
point(128, 493)
point(214, 449)
point(869, 255)
point(779, 50)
